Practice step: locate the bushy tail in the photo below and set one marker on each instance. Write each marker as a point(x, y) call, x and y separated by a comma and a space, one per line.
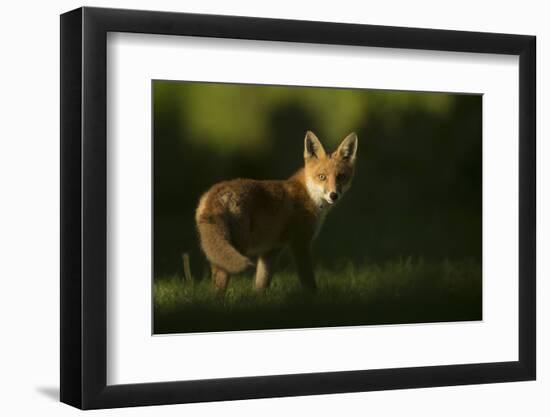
point(214, 238)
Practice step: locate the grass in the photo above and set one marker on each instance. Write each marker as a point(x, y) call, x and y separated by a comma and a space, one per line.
point(402, 291)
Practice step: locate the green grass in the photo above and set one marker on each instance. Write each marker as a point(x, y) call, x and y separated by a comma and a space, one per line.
point(403, 291)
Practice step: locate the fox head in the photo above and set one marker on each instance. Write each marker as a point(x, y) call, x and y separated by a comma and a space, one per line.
point(328, 176)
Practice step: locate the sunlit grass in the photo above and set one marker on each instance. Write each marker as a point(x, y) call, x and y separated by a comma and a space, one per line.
point(402, 291)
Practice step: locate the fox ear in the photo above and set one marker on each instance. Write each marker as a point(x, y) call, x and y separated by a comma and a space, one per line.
point(348, 148)
point(313, 147)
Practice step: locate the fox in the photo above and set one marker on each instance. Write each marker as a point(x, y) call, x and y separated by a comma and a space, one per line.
point(246, 223)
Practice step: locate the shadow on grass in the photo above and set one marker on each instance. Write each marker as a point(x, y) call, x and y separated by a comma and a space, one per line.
point(394, 293)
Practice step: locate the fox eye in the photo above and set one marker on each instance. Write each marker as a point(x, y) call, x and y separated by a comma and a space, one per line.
point(341, 177)
point(322, 177)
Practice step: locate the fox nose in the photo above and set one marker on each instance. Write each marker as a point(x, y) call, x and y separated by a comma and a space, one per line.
point(334, 196)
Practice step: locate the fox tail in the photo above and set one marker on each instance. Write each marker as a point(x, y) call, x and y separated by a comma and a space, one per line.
point(214, 239)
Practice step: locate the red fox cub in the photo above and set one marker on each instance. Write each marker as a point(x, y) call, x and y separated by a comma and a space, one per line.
point(243, 219)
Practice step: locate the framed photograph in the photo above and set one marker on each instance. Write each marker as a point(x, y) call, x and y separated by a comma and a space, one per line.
point(258, 208)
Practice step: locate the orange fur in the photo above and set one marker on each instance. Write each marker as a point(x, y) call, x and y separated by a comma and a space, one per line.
point(243, 219)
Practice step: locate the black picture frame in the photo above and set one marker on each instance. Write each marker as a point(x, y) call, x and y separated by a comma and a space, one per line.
point(84, 197)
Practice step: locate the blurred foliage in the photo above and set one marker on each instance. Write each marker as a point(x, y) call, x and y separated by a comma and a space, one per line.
point(233, 118)
point(417, 189)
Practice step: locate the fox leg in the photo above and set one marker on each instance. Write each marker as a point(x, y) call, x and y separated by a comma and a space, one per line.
point(304, 266)
point(264, 272)
point(220, 279)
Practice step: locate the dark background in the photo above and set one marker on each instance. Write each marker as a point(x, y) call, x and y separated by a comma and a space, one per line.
point(417, 189)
